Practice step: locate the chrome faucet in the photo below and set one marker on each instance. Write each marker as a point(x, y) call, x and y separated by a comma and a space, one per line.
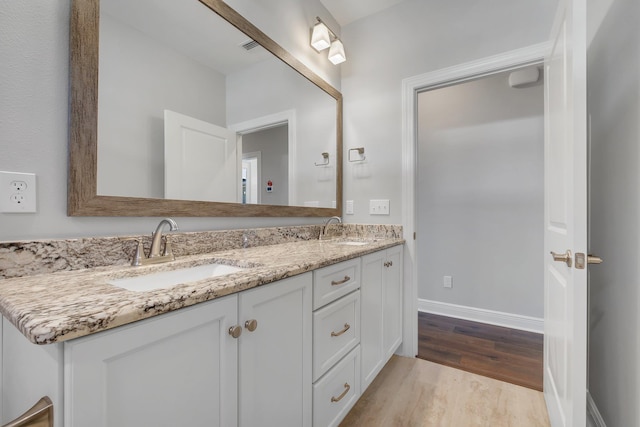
point(157, 238)
point(326, 224)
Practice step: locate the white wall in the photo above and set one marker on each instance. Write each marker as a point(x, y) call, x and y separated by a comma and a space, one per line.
point(139, 78)
point(273, 145)
point(34, 74)
point(480, 195)
point(409, 39)
point(614, 286)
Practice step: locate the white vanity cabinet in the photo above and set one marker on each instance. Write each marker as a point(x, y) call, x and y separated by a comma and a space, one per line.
point(381, 310)
point(308, 346)
point(185, 367)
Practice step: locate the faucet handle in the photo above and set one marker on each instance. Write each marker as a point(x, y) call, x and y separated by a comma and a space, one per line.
point(167, 248)
point(138, 255)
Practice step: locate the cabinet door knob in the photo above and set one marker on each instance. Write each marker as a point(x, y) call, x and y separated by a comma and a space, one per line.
point(340, 282)
point(251, 325)
point(347, 387)
point(337, 334)
point(235, 331)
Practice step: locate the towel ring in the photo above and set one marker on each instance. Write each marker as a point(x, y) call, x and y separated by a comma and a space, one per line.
point(360, 151)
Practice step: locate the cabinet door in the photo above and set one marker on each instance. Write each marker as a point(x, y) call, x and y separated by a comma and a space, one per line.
point(275, 358)
point(380, 311)
point(392, 310)
point(177, 369)
point(371, 326)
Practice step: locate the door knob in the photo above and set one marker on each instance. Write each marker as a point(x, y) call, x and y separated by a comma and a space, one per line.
point(565, 257)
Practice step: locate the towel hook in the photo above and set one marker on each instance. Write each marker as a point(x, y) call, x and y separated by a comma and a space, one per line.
point(326, 160)
point(360, 151)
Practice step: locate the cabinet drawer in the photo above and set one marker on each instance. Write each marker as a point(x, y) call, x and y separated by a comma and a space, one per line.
point(336, 393)
point(334, 281)
point(336, 330)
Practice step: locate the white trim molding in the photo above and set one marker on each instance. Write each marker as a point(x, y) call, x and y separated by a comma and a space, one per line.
point(592, 409)
point(499, 318)
point(410, 88)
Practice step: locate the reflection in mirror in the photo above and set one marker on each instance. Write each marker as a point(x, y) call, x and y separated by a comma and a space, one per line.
point(189, 108)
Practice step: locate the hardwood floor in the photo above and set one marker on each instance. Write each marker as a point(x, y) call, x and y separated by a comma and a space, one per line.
point(413, 392)
point(505, 354)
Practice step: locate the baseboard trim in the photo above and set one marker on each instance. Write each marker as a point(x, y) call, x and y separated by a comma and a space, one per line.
point(593, 410)
point(509, 320)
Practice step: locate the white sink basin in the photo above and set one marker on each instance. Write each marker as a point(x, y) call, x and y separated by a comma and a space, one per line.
point(167, 279)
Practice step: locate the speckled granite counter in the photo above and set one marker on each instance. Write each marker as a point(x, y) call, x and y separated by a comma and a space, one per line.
point(55, 307)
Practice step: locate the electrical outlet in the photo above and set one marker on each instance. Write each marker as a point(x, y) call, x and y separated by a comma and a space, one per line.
point(17, 192)
point(18, 186)
point(379, 207)
point(447, 282)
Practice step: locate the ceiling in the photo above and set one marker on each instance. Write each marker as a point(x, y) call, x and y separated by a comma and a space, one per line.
point(347, 11)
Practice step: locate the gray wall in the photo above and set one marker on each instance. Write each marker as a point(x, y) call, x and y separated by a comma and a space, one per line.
point(409, 39)
point(614, 286)
point(34, 74)
point(480, 195)
point(273, 146)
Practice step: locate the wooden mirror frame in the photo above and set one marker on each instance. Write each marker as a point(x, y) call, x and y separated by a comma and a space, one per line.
point(82, 197)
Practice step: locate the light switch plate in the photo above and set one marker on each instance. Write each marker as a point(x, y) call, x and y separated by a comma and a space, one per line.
point(17, 192)
point(349, 207)
point(447, 282)
point(379, 207)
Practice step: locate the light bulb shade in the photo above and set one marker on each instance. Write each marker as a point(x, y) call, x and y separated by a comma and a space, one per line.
point(320, 39)
point(336, 52)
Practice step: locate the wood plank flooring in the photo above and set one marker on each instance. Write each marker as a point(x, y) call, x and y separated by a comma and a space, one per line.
point(505, 354)
point(413, 392)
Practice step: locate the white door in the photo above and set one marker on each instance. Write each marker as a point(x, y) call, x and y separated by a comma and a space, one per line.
point(200, 160)
point(565, 318)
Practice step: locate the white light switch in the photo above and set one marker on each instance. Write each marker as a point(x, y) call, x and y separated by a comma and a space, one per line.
point(379, 207)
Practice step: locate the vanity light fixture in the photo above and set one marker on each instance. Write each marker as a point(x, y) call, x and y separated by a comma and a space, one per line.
point(322, 37)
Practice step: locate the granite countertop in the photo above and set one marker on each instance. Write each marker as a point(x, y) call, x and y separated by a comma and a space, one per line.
point(56, 307)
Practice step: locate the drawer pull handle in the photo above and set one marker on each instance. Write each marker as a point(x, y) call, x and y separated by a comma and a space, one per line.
point(388, 263)
point(347, 387)
point(340, 282)
point(346, 328)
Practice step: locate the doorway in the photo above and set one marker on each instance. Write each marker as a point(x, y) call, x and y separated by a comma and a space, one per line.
point(533, 55)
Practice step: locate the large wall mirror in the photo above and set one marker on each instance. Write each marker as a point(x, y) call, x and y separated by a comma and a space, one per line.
point(185, 108)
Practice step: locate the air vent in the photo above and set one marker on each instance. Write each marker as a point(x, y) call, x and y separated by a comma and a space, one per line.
point(250, 44)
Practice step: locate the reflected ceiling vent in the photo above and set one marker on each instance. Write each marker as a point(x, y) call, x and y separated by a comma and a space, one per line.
point(249, 45)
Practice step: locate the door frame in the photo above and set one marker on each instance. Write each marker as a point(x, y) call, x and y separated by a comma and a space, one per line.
point(411, 86)
point(287, 117)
